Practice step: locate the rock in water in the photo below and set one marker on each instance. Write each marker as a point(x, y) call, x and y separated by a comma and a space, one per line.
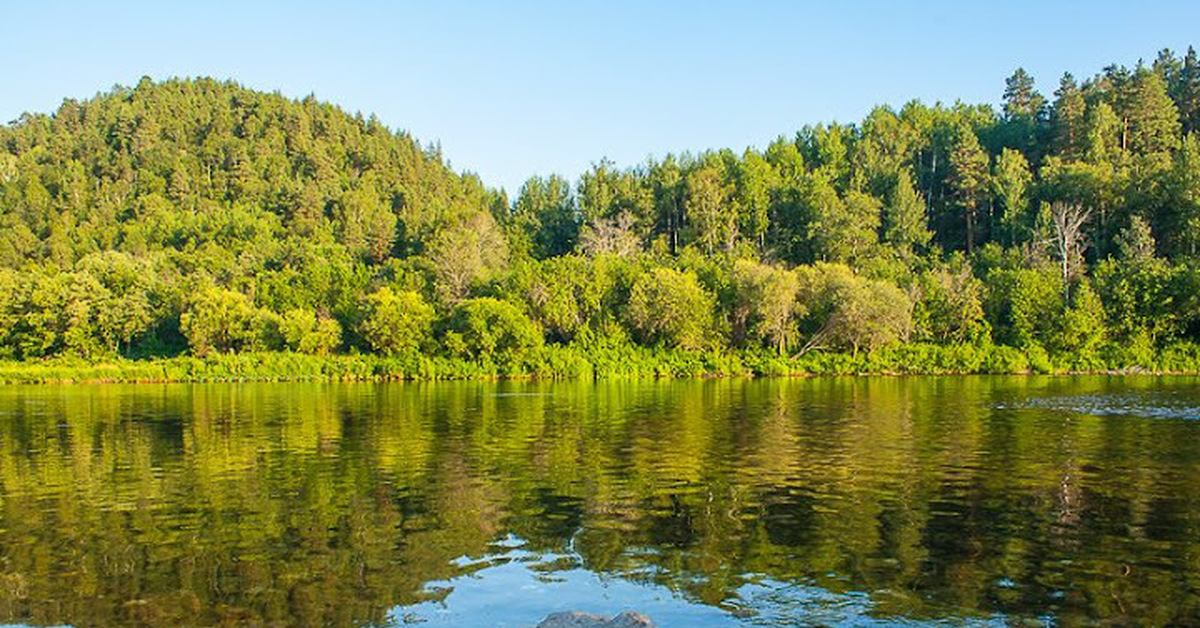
point(628, 619)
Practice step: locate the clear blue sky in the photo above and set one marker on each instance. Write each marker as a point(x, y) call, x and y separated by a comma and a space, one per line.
point(512, 88)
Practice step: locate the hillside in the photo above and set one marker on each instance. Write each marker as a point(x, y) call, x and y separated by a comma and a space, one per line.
point(199, 217)
point(117, 208)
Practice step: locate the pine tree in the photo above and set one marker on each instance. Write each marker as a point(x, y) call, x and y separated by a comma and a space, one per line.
point(1067, 118)
point(1021, 100)
point(968, 178)
point(1168, 66)
point(597, 193)
point(1187, 92)
point(1153, 121)
point(1024, 114)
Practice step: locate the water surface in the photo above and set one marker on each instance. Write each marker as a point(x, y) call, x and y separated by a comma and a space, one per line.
point(966, 501)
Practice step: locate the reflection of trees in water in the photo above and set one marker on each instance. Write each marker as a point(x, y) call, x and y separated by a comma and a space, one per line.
point(329, 505)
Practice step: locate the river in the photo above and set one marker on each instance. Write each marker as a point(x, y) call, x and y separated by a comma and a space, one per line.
point(841, 502)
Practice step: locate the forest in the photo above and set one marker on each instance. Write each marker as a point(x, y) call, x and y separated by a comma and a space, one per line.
point(198, 229)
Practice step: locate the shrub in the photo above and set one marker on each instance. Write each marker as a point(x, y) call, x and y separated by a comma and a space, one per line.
point(671, 308)
point(493, 330)
point(396, 322)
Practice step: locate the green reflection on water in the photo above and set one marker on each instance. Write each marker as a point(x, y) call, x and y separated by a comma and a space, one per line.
point(329, 505)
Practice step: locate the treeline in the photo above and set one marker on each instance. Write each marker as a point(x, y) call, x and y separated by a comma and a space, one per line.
point(198, 217)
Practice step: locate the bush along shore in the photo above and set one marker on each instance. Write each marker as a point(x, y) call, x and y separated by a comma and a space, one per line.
point(196, 230)
point(568, 363)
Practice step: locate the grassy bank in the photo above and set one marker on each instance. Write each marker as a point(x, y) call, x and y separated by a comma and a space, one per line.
point(624, 361)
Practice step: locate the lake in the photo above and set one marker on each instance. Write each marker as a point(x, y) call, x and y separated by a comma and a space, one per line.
point(841, 502)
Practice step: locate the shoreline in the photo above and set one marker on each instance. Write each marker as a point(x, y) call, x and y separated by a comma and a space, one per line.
point(292, 367)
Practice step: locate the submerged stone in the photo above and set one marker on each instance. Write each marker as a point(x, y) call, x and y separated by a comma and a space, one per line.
point(573, 619)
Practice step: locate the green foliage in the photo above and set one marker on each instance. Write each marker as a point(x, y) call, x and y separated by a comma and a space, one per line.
point(1011, 180)
point(767, 305)
point(1067, 118)
point(368, 227)
point(306, 332)
point(1135, 243)
point(63, 313)
point(755, 182)
point(850, 312)
point(1139, 299)
point(1025, 306)
point(1003, 360)
point(1152, 120)
point(950, 306)
point(487, 328)
point(968, 178)
point(708, 211)
point(670, 307)
point(395, 323)
point(841, 229)
point(567, 295)
point(905, 225)
point(546, 217)
point(465, 254)
point(1082, 327)
point(222, 320)
point(194, 216)
point(1183, 187)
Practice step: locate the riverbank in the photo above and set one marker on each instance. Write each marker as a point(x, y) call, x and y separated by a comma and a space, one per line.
point(556, 362)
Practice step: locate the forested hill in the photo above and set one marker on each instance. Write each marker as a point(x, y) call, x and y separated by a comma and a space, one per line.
point(122, 209)
point(186, 164)
point(199, 217)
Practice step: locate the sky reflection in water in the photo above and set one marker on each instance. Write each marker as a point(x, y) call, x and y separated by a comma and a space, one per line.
point(515, 588)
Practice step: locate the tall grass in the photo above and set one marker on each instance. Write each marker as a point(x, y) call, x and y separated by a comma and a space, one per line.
point(604, 362)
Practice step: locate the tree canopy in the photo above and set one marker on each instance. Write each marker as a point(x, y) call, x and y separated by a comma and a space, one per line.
point(200, 217)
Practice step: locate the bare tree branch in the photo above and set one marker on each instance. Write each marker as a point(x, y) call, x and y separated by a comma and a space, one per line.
point(1069, 240)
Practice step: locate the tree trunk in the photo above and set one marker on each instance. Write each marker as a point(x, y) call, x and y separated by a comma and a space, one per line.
point(1066, 280)
point(970, 231)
